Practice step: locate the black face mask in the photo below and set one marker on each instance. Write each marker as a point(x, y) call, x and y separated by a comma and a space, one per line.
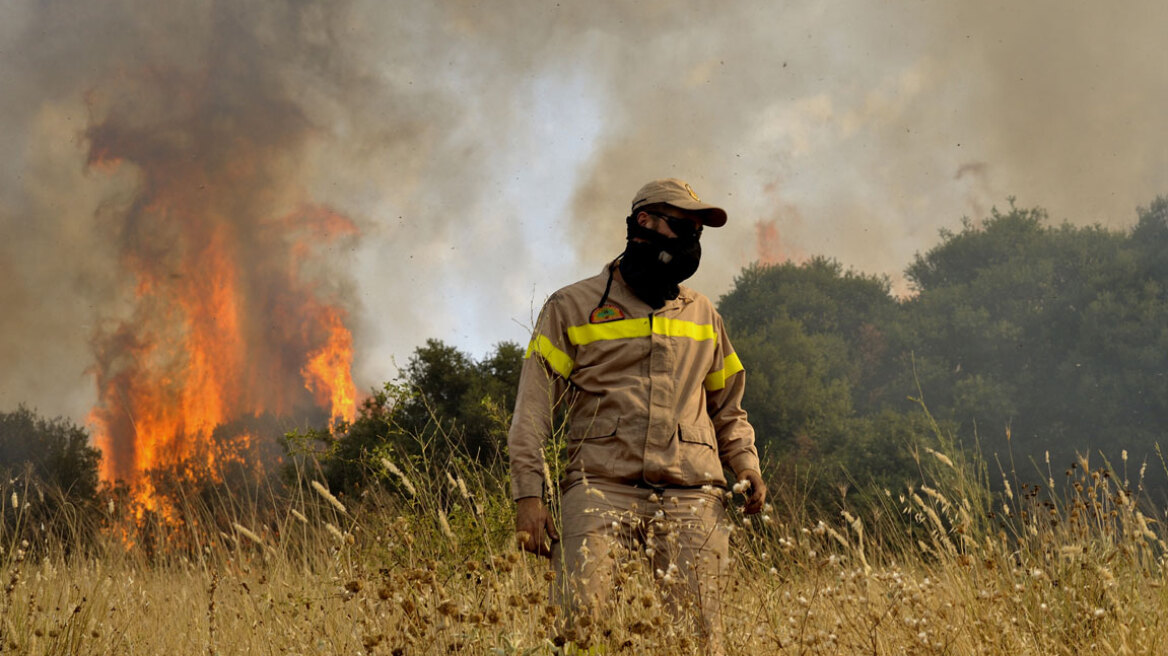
point(654, 267)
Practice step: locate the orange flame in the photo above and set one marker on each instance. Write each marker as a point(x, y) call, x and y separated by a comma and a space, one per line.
point(186, 366)
point(235, 314)
point(327, 374)
point(770, 247)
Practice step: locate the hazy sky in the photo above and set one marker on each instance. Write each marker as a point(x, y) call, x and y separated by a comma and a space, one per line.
point(488, 151)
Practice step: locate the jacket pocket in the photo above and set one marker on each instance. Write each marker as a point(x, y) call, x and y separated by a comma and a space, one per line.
point(588, 428)
point(697, 434)
point(699, 454)
point(593, 445)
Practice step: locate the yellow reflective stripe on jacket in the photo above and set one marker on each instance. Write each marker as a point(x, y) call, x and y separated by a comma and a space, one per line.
point(679, 328)
point(558, 360)
point(730, 366)
point(595, 332)
point(629, 328)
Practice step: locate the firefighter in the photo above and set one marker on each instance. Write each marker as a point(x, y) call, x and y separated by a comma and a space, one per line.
point(652, 390)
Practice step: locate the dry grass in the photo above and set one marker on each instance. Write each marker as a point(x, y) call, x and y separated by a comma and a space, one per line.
point(934, 569)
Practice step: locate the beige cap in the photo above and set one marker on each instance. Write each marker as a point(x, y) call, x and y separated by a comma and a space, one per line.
point(672, 191)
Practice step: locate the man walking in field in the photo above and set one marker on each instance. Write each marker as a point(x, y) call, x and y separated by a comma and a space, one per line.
point(653, 393)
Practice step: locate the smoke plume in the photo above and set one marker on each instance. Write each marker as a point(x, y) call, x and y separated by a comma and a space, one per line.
point(414, 170)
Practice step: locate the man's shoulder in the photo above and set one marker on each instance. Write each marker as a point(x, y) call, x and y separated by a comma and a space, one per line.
point(584, 287)
point(580, 294)
point(698, 299)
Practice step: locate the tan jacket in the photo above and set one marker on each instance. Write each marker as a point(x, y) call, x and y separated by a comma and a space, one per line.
point(653, 397)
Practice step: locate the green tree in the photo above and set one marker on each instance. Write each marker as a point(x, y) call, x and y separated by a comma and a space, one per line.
point(825, 300)
point(446, 405)
point(796, 394)
point(1056, 336)
point(459, 402)
point(54, 473)
point(815, 341)
point(56, 451)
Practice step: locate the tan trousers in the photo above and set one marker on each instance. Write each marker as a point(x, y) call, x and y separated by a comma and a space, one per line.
point(681, 534)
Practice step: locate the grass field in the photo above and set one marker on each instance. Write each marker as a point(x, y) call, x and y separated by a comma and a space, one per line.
point(424, 564)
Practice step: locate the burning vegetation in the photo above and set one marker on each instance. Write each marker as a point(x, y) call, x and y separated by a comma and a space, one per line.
point(235, 314)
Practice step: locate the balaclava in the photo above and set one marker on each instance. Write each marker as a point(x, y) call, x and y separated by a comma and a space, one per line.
point(654, 267)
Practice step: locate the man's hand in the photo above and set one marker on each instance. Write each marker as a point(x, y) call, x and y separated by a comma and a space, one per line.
point(755, 491)
point(533, 526)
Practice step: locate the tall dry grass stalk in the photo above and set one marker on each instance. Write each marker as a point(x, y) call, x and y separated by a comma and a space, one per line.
point(939, 567)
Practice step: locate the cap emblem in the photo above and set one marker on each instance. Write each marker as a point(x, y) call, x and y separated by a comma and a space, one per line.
point(692, 193)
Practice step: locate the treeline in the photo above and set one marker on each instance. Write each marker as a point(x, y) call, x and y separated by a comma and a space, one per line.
point(446, 411)
point(1023, 339)
point(1020, 339)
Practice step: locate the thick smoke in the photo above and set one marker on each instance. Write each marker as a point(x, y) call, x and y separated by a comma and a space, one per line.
point(164, 151)
point(487, 152)
point(864, 113)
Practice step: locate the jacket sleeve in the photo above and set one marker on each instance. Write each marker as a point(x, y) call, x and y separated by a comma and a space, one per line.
point(543, 382)
point(725, 385)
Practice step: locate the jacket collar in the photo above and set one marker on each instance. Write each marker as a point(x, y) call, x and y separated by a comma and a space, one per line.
point(624, 295)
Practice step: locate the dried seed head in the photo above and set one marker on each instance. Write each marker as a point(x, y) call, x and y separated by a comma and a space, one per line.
point(247, 533)
point(445, 526)
point(405, 481)
point(547, 477)
point(328, 496)
point(942, 457)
